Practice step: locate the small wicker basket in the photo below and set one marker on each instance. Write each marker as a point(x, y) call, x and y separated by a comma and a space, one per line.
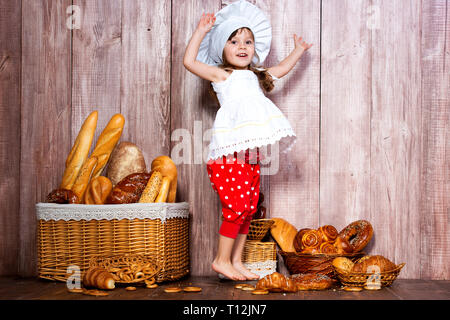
point(314, 263)
point(260, 257)
point(71, 234)
point(357, 279)
point(258, 228)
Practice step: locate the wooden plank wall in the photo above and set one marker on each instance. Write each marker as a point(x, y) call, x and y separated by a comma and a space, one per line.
point(369, 103)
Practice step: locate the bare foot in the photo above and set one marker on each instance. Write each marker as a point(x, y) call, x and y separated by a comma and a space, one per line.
point(243, 270)
point(227, 270)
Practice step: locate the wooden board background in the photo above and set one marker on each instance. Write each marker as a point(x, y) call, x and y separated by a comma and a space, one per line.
point(369, 103)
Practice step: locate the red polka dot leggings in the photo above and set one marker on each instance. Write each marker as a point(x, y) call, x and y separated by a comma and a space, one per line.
point(236, 179)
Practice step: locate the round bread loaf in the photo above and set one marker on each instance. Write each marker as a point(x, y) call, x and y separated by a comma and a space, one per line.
point(126, 159)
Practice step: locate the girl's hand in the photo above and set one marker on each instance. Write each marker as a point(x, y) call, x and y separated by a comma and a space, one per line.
point(206, 22)
point(301, 44)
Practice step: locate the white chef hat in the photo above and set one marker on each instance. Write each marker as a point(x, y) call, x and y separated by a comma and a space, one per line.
point(237, 15)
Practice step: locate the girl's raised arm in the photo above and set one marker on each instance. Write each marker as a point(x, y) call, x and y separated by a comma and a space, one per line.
point(203, 70)
point(289, 62)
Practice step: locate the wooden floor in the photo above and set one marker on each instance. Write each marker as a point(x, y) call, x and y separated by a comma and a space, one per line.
point(215, 289)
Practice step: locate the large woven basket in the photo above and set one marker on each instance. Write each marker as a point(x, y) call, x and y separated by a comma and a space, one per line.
point(260, 257)
point(314, 263)
point(71, 234)
point(359, 279)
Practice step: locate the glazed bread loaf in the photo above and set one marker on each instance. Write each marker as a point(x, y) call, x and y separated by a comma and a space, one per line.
point(80, 151)
point(98, 277)
point(373, 263)
point(129, 189)
point(62, 196)
point(166, 166)
point(82, 181)
point(126, 159)
point(312, 281)
point(283, 233)
point(98, 190)
point(107, 141)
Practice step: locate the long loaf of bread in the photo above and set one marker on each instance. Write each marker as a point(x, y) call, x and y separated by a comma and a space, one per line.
point(164, 190)
point(80, 151)
point(152, 188)
point(107, 141)
point(82, 181)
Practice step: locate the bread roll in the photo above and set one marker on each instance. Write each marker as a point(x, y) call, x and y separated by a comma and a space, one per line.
point(98, 190)
point(126, 159)
point(283, 233)
point(328, 232)
point(373, 263)
point(327, 248)
point(164, 190)
point(342, 246)
point(107, 141)
point(343, 264)
point(167, 167)
point(80, 151)
point(82, 181)
point(152, 188)
point(298, 240)
point(311, 239)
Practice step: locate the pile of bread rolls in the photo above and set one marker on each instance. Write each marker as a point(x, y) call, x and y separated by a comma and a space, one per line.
point(324, 240)
point(125, 179)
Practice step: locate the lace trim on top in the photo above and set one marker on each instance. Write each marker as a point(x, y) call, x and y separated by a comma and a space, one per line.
point(77, 212)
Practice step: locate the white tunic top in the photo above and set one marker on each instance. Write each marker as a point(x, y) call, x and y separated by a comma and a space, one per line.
point(246, 118)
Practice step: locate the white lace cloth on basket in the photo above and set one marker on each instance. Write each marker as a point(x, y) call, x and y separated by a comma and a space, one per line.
point(162, 211)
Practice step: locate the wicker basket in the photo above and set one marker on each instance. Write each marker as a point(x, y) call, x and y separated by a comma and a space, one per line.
point(314, 263)
point(260, 257)
point(71, 234)
point(258, 228)
point(357, 279)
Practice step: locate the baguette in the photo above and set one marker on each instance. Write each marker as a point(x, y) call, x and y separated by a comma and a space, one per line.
point(152, 188)
point(82, 181)
point(107, 141)
point(80, 151)
point(164, 190)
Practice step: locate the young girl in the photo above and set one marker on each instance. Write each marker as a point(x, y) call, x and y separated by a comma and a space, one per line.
point(225, 49)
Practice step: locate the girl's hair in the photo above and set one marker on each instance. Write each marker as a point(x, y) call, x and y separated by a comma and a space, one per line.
point(265, 79)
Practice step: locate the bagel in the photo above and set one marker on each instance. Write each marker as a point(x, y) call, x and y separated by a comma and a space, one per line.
point(358, 234)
